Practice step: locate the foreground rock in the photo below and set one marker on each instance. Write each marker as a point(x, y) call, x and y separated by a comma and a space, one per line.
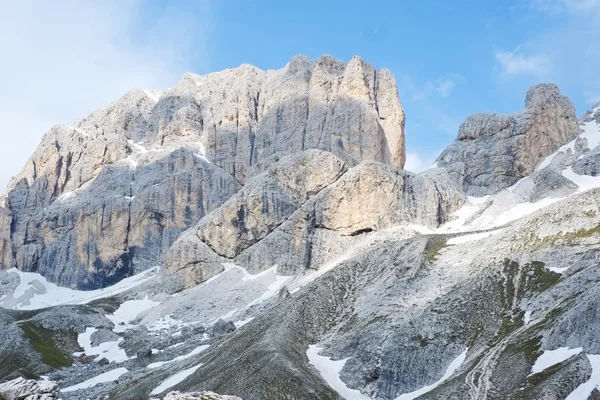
point(493, 151)
point(198, 396)
point(29, 389)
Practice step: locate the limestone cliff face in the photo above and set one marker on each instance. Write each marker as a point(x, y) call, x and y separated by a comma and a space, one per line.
point(6, 260)
point(493, 151)
point(122, 223)
point(245, 115)
point(107, 197)
point(300, 217)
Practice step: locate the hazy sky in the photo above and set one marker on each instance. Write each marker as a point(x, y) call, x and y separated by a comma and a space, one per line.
point(62, 59)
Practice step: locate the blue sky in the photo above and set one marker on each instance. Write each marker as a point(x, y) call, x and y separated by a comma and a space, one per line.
point(450, 58)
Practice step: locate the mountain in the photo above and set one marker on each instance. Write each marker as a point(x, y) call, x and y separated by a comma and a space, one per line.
point(106, 198)
point(253, 233)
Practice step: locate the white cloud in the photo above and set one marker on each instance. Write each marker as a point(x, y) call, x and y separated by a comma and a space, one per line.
point(445, 86)
point(585, 7)
point(516, 63)
point(441, 87)
point(416, 164)
point(63, 59)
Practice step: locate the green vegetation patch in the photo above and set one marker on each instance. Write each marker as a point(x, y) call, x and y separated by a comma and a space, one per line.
point(522, 280)
point(435, 244)
point(567, 238)
point(108, 304)
point(43, 340)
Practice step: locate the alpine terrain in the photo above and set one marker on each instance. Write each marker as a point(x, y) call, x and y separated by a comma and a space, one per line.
point(254, 234)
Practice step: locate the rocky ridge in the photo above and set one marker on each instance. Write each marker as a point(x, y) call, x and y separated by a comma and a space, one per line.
point(152, 164)
point(493, 151)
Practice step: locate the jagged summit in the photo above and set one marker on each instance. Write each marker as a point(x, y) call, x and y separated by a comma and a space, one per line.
point(493, 151)
point(151, 164)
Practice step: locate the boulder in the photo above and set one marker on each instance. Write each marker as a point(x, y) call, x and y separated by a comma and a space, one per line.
point(29, 389)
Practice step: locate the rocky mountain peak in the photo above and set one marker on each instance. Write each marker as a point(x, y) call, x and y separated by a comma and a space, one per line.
point(152, 164)
point(493, 151)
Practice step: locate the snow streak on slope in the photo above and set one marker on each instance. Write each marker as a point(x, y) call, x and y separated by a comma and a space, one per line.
point(584, 390)
point(109, 350)
point(330, 372)
point(34, 291)
point(454, 365)
point(472, 237)
point(553, 357)
point(175, 379)
point(128, 311)
point(197, 350)
point(102, 378)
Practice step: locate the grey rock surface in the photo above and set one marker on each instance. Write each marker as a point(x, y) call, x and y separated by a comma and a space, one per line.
point(122, 223)
point(588, 164)
point(6, 257)
point(198, 396)
point(268, 200)
point(222, 328)
point(29, 389)
point(369, 197)
point(276, 219)
point(102, 336)
point(493, 151)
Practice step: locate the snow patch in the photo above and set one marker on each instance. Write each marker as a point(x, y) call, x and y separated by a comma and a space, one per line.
point(79, 130)
point(519, 211)
point(166, 322)
point(66, 196)
point(591, 132)
point(109, 350)
point(128, 311)
point(175, 379)
point(35, 292)
point(239, 324)
point(584, 390)
point(454, 365)
point(202, 153)
point(527, 317)
point(102, 378)
point(154, 95)
point(192, 353)
point(585, 182)
point(472, 237)
point(224, 316)
point(553, 357)
point(330, 372)
point(273, 288)
point(463, 214)
point(138, 146)
point(558, 270)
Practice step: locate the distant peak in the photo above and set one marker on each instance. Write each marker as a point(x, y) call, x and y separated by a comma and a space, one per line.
point(300, 63)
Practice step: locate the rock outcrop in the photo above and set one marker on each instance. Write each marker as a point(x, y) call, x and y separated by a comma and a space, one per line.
point(122, 223)
point(298, 217)
point(493, 151)
point(6, 260)
point(268, 200)
point(28, 389)
point(198, 396)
